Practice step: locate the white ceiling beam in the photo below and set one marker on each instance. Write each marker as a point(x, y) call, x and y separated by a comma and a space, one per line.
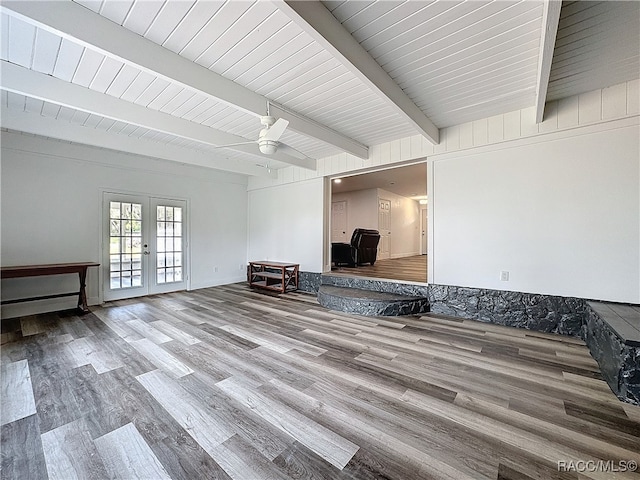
point(17, 79)
point(81, 25)
point(50, 127)
point(550, 19)
point(325, 29)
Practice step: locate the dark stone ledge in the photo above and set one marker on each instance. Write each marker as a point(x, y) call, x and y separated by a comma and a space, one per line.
point(543, 313)
point(619, 360)
point(387, 286)
point(369, 302)
point(309, 281)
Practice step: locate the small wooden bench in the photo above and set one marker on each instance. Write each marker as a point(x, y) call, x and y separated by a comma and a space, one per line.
point(278, 276)
point(51, 269)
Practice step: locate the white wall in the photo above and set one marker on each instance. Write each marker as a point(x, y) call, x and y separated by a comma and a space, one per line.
point(286, 224)
point(362, 209)
point(584, 118)
point(51, 213)
point(362, 212)
point(561, 216)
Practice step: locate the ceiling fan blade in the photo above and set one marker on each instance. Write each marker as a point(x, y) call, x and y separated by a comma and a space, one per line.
point(229, 145)
point(291, 151)
point(276, 130)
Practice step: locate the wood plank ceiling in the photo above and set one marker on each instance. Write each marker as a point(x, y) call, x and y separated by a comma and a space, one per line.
point(456, 61)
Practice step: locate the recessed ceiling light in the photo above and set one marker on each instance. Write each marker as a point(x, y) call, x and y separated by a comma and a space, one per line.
point(337, 180)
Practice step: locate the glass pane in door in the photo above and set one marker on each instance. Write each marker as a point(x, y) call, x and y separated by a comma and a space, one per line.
point(125, 245)
point(168, 244)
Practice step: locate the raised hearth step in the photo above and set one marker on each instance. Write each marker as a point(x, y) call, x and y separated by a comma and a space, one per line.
point(369, 302)
point(377, 285)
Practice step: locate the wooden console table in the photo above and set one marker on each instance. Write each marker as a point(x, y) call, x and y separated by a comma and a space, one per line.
point(52, 269)
point(277, 276)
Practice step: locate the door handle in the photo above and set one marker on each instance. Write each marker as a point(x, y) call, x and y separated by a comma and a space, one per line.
point(146, 252)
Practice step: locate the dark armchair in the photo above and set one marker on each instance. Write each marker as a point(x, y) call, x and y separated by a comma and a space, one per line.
point(362, 249)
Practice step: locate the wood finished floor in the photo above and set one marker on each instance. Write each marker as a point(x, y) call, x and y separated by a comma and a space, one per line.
point(412, 269)
point(227, 382)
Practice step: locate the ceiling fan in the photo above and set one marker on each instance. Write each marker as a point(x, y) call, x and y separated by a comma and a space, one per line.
point(271, 133)
point(269, 137)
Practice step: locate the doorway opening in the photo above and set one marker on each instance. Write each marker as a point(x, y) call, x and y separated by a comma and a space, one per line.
point(393, 202)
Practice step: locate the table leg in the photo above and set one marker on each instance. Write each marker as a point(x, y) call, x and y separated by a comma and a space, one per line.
point(82, 295)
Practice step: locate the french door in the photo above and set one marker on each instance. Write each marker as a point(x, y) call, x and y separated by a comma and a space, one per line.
point(144, 245)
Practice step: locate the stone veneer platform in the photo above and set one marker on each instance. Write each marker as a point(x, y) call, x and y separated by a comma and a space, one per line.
point(612, 332)
point(369, 302)
point(370, 296)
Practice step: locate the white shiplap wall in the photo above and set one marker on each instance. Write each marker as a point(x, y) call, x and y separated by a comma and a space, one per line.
point(618, 101)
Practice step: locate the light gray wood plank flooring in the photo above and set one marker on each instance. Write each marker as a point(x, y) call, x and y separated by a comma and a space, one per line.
point(232, 383)
point(17, 393)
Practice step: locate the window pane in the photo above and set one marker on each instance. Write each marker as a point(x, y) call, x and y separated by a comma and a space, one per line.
point(114, 210)
point(125, 245)
point(114, 263)
point(114, 245)
point(136, 245)
point(115, 280)
point(136, 211)
point(114, 227)
point(168, 241)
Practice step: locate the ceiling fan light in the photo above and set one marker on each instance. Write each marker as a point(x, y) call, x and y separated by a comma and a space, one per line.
point(268, 147)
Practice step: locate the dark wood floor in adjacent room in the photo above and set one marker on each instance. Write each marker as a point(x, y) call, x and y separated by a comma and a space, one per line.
point(227, 382)
point(408, 269)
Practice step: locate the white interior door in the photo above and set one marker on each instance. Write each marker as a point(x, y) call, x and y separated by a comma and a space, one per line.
point(339, 222)
point(384, 227)
point(144, 246)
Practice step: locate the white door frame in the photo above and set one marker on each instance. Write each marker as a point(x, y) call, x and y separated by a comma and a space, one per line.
point(147, 199)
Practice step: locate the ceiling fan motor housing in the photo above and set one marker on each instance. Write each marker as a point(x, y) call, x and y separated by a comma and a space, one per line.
point(267, 120)
point(268, 147)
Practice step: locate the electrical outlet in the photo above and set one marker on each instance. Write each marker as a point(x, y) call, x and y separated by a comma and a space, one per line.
point(215, 269)
point(504, 276)
point(242, 266)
